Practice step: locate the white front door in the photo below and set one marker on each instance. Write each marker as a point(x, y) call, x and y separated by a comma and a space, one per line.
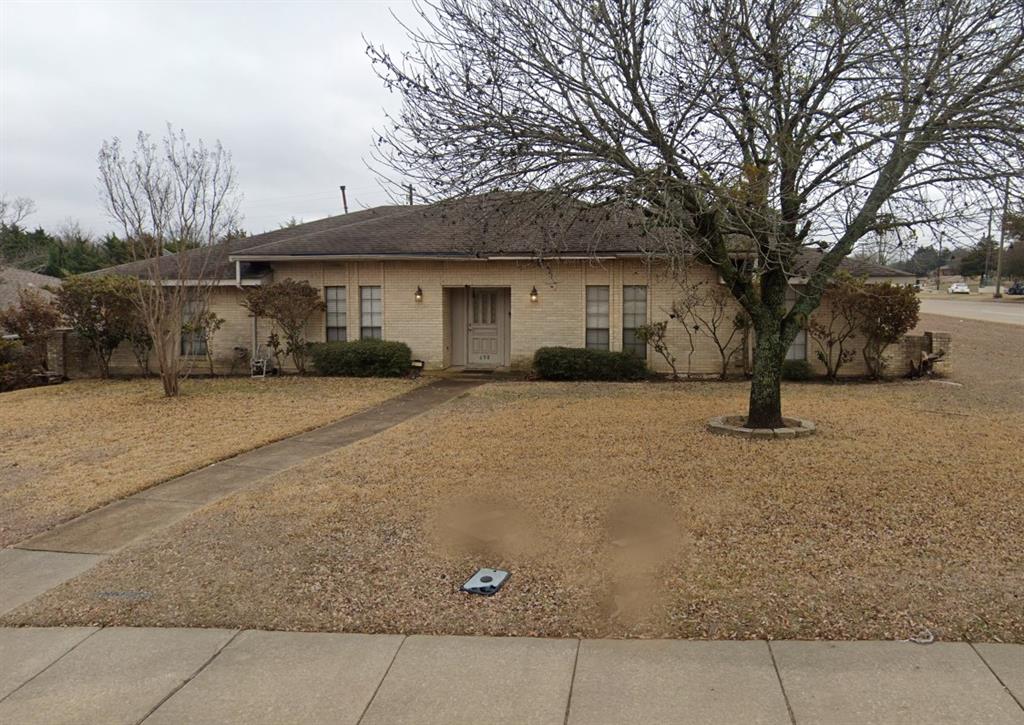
point(486, 336)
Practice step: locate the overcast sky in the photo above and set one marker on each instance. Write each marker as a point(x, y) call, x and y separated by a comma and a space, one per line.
point(286, 87)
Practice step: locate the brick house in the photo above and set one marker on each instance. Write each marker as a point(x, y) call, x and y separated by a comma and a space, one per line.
point(461, 294)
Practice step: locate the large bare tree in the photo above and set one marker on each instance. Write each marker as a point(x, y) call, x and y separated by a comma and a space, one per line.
point(751, 129)
point(174, 201)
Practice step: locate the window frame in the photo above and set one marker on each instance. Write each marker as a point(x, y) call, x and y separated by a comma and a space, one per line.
point(597, 337)
point(341, 310)
point(800, 341)
point(375, 313)
point(629, 342)
point(193, 343)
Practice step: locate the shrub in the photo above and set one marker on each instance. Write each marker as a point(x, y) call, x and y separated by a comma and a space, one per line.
point(571, 363)
point(362, 358)
point(796, 370)
point(100, 310)
point(32, 319)
point(889, 312)
point(289, 304)
point(15, 366)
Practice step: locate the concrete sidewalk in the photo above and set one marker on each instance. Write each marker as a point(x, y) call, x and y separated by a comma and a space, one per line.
point(41, 563)
point(178, 676)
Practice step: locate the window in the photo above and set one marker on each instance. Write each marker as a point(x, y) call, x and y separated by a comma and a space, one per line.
point(337, 314)
point(634, 315)
point(372, 313)
point(798, 348)
point(193, 336)
point(597, 317)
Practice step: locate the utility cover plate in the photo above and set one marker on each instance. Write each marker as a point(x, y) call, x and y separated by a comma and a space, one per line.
point(485, 581)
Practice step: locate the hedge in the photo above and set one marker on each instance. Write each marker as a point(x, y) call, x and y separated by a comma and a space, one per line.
point(362, 358)
point(796, 370)
point(572, 363)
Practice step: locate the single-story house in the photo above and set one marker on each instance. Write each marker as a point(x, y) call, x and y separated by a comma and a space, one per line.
point(467, 292)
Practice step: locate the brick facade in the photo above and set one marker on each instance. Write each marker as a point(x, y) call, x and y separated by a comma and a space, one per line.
point(557, 317)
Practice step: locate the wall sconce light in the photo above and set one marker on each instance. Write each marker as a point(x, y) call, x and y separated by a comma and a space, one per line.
point(533, 294)
point(419, 294)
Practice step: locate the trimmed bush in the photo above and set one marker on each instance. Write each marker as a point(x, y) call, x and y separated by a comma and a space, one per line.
point(362, 358)
point(796, 370)
point(572, 363)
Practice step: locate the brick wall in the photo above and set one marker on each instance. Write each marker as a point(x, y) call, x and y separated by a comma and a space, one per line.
point(557, 317)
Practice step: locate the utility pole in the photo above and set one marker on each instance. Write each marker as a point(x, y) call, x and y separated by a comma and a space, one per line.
point(344, 200)
point(409, 187)
point(938, 270)
point(1002, 238)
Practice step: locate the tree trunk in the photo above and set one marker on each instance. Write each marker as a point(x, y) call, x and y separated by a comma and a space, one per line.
point(103, 362)
point(765, 408)
point(166, 349)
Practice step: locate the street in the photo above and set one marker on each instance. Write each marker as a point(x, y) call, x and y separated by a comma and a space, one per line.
point(987, 311)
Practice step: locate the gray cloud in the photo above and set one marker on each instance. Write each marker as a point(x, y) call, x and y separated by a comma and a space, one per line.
point(286, 87)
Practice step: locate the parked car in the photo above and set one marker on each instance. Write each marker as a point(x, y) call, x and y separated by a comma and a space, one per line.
point(1017, 288)
point(959, 288)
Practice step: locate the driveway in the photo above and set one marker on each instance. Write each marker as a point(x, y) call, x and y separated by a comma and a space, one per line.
point(1005, 312)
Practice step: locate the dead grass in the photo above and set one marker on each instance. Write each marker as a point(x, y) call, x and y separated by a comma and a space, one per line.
point(70, 448)
point(618, 515)
point(988, 360)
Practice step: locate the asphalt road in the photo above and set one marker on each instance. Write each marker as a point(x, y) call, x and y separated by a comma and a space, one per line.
point(1006, 312)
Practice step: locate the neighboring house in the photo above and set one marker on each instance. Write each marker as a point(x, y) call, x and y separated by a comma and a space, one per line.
point(13, 281)
point(468, 291)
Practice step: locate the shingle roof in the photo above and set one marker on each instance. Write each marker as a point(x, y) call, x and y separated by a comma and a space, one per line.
point(214, 261)
point(485, 226)
point(13, 280)
point(808, 260)
point(489, 226)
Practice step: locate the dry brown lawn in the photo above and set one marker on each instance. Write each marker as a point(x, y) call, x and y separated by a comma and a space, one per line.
point(67, 449)
point(618, 515)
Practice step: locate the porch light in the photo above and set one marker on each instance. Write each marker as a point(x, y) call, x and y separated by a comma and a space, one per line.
point(533, 294)
point(419, 294)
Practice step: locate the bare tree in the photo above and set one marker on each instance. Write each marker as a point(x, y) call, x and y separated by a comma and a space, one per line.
point(178, 197)
point(782, 123)
point(710, 310)
point(14, 211)
point(834, 328)
point(890, 242)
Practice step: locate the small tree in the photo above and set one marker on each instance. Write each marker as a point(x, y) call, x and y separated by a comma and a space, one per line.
point(654, 335)
point(289, 304)
point(710, 310)
point(100, 311)
point(832, 330)
point(204, 327)
point(888, 312)
point(32, 319)
point(179, 197)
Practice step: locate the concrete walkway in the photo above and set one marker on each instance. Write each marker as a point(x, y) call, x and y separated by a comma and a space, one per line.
point(179, 676)
point(51, 558)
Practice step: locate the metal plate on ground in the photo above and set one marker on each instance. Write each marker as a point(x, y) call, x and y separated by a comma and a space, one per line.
point(486, 582)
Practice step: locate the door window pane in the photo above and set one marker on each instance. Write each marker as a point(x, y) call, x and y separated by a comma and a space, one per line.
point(372, 313)
point(597, 317)
point(337, 314)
